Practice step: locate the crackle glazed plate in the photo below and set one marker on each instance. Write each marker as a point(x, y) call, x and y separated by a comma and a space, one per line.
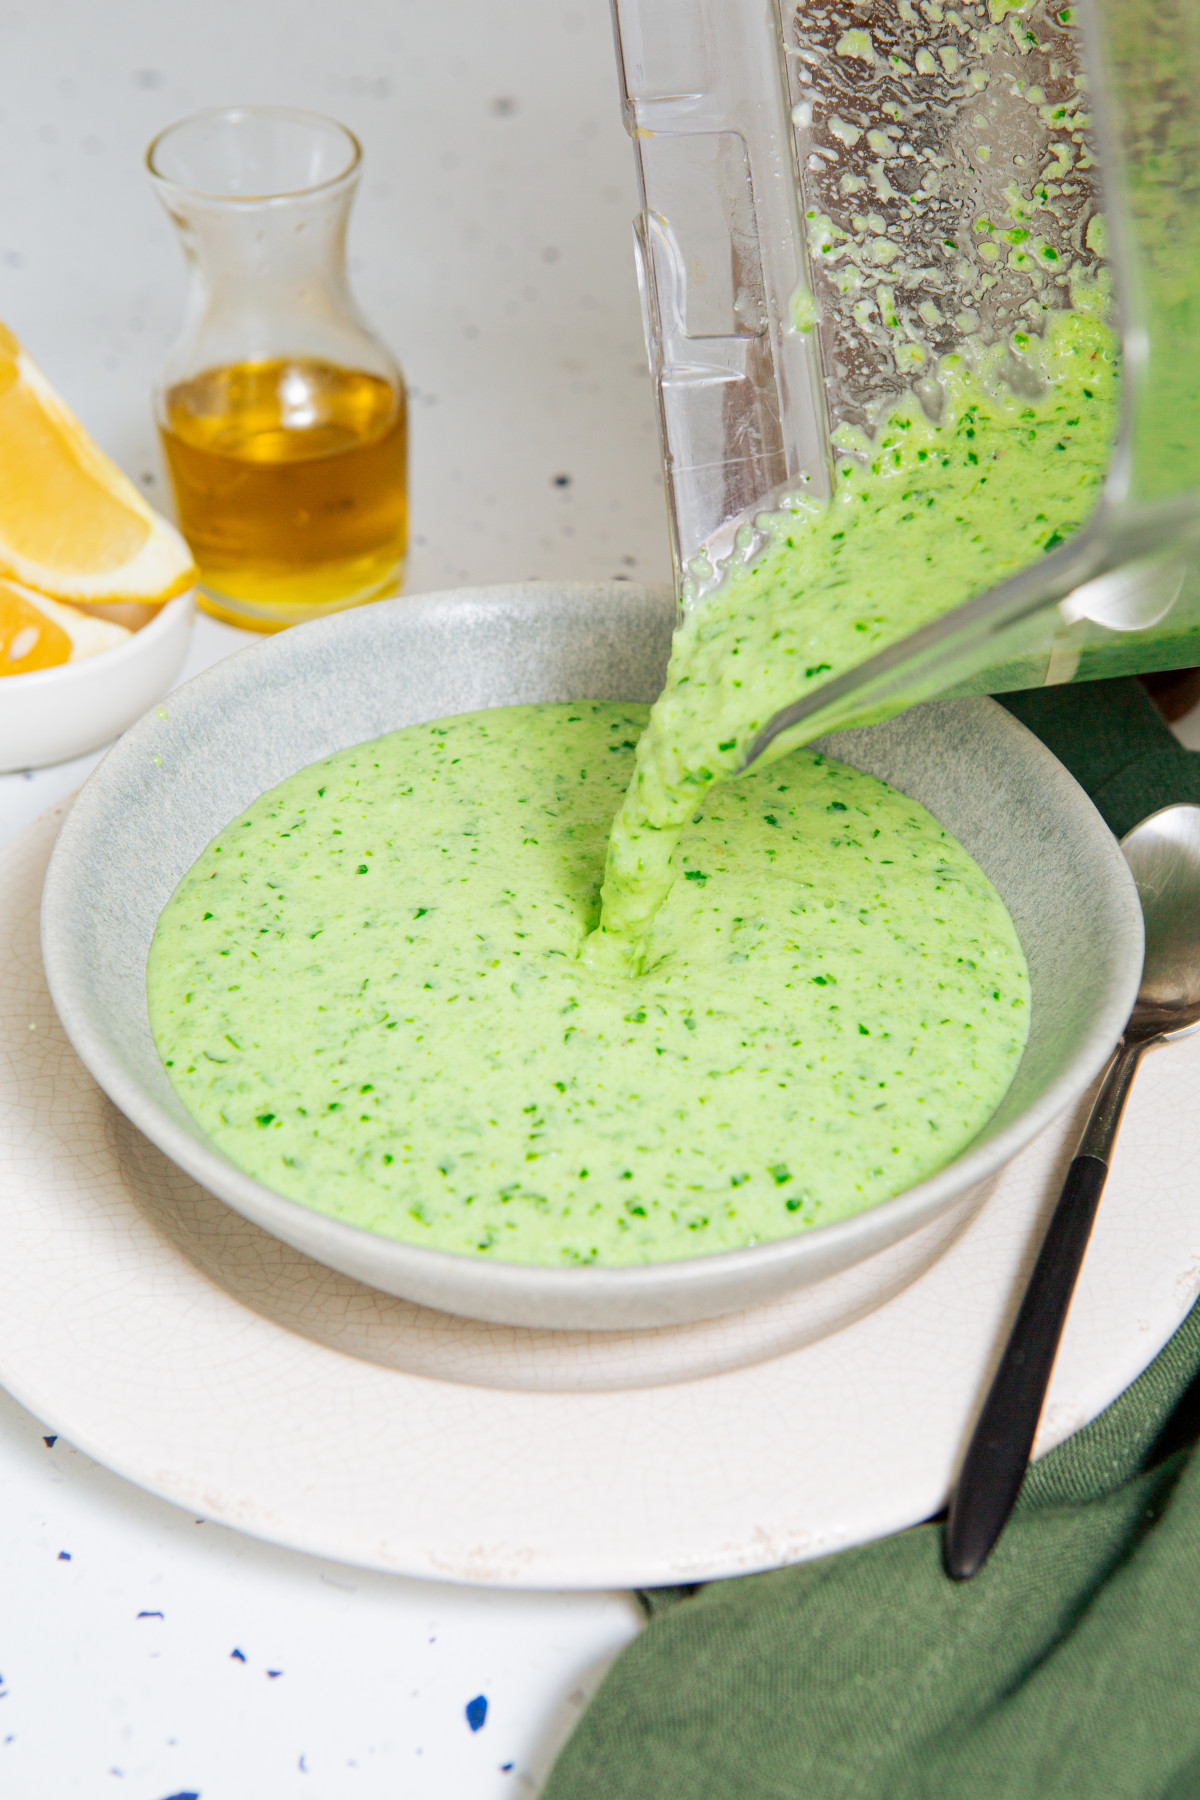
point(209, 1362)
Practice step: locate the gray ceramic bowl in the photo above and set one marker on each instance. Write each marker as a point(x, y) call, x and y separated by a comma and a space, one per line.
point(172, 781)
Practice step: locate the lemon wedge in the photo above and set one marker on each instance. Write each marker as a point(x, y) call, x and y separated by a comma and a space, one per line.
point(71, 524)
point(38, 633)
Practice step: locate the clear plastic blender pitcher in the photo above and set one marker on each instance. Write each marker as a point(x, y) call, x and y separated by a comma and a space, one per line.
point(839, 193)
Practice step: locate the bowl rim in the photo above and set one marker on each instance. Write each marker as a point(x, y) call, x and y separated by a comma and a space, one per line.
point(144, 638)
point(846, 1240)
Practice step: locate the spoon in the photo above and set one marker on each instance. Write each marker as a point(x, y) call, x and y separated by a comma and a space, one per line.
point(1163, 854)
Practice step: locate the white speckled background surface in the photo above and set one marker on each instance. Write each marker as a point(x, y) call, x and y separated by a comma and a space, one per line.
point(492, 248)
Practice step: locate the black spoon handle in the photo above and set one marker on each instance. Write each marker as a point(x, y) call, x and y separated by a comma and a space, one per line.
point(997, 1456)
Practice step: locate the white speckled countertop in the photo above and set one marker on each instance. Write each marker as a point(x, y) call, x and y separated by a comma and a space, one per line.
point(143, 1652)
point(491, 247)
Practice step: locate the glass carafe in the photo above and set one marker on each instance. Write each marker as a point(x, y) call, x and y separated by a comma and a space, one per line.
point(281, 414)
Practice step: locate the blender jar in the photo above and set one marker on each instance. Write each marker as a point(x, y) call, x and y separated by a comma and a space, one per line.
point(840, 195)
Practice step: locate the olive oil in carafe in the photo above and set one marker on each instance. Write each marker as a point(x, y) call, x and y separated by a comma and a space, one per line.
point(290, 482)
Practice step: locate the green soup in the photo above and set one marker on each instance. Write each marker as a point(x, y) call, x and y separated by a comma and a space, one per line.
point(368, 991)
point(923, 517)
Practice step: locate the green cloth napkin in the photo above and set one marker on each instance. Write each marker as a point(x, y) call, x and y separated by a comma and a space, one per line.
point(1068, 1669)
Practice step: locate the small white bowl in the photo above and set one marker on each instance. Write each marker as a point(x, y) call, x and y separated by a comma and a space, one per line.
point(51, 715)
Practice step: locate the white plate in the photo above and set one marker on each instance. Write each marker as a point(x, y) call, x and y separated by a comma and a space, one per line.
point(214, 1365)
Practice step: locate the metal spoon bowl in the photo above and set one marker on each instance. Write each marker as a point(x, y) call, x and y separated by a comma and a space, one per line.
point(1163, 854)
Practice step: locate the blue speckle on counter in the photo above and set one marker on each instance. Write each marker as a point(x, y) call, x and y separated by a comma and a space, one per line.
point(150, 1615)
point(64, 1556)
point(188, 1796)
point(477, 1712)
point(50, 1441)
point(272, 1673)
point(237, 1656)
point(506, 1768)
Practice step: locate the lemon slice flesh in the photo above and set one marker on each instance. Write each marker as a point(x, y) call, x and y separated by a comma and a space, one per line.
point(71, 524)
point(29, 639)
point(39, 633)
